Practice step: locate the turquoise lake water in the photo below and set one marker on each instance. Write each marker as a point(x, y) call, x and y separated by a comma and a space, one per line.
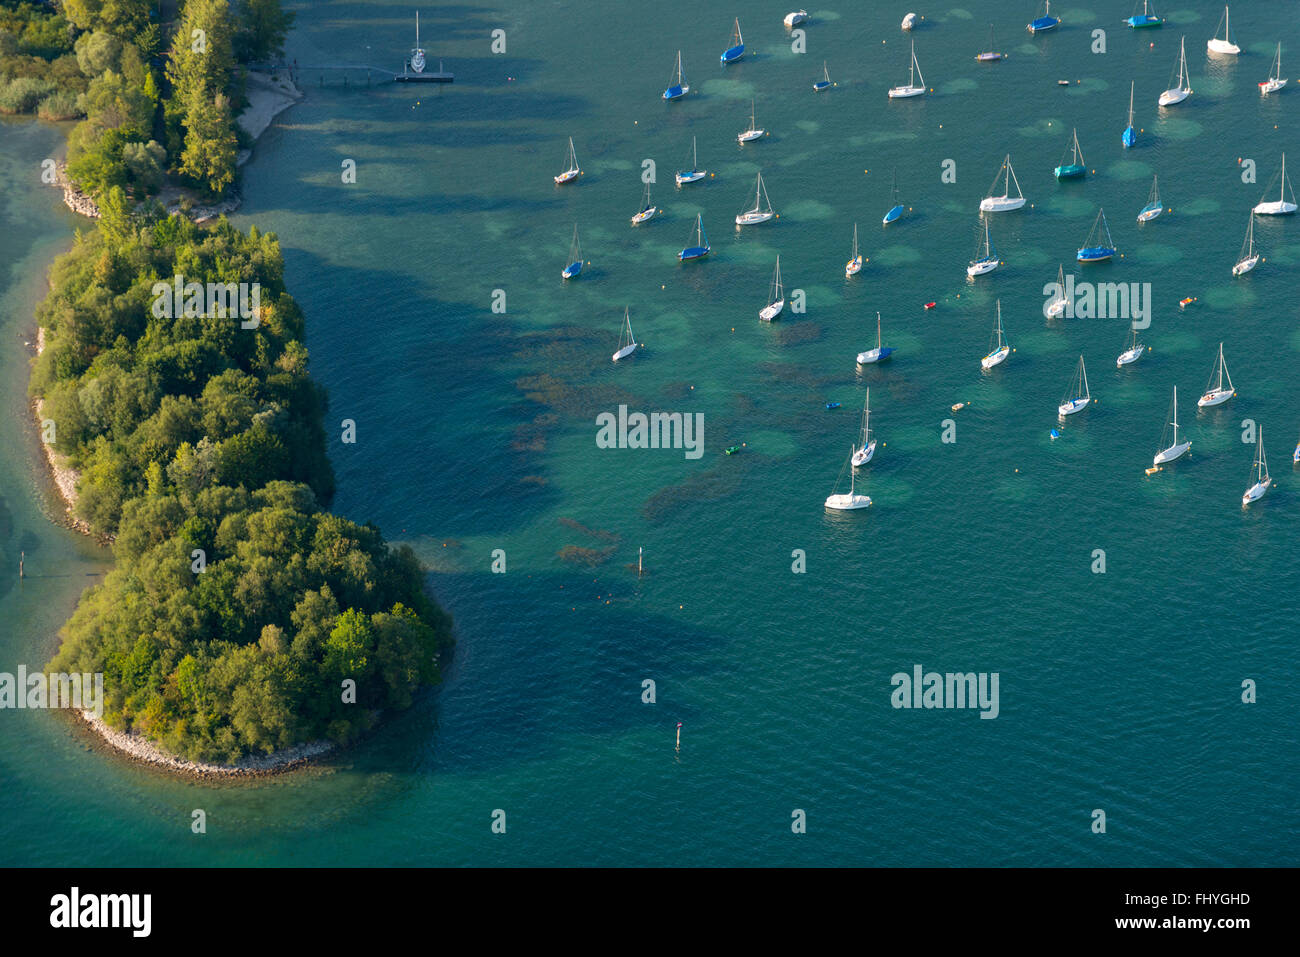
point(476, 431)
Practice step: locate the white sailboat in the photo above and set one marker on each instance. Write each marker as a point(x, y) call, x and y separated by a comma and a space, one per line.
point(648, 209)
point(753, 132)
point(852, 500)
point(1281, 206)
point(862, 454)
point(1000, 349)
point(571, 170)
point(1078, 398)
point(762, 210)
point(416, 59)
point(693, 173)
point(1216, 393)
point(627, 343)
point(1004, 202)
point(1225, 45)
point(1174, 449)
point(877, 354)
point(911, 89)
point(986, 263)
point(1058, 305)
point(854, 265)
point(1154, 207)
point(775, 296)
point(1275, 79)
point(1134, 351)
point(1181, 89)
point(1248, 259)
point(1260, 480)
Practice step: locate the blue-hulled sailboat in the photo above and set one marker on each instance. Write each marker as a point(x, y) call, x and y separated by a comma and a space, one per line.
point(679, 87)
point(575, 257)
point(737, 48)
point(1144, 19)
point(896, 211)
point(701, 247)
point(1045, 22)
point(1075, 168)
point(1094, 250)
point(1130, 135)
point(825, 82)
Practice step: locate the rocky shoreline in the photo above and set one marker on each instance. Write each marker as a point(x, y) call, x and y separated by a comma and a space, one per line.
point(134, 746)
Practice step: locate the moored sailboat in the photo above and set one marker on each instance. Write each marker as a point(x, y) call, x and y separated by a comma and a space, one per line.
point(994, 203)
point(854, 265)
point(1225, 45)
point(824, 83)
point(1145, 19)
point(737, 48)
point(678, 87)
point(990, 55)
point(1057, 306)
point(1076, 167)
point(753, 132)
point(627, 343)
point(761, 211)
point(850, 501)
point(693, 173)
point(1134, 351)
point(1175, 449)
point(648, 209)
point(575, 257)
point(911, 89)
point(1280, 206)
point(896, 210)
point(1275, 79)
point(1045, 22)
point(1216, 393)
point(1094, 249)
point(1129, 136)
point(1154, 207)
point(986, 263)
point(701, 247)
point(1182, 87)
point(1078, 397)
point(1260, 479)
point(879, 353)
point(1000, 349)
point(775, 297)
point(1248, 258)
point(863, 453)
point(571, 170)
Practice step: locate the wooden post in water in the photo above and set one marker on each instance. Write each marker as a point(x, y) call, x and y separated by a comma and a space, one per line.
point(21, 557)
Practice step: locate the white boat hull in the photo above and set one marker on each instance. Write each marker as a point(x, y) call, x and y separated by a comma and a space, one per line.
point(1245, 266)
point(1271, 86)
point(1149, 214)
point(1171, 453)
point(853, 267)
point(909, 21)
point(1129, 356)
point(1001, 204)
point(1222, 46)
point(1170, 97)
point(772, 311)
point(902, 92)
point(1217, 397)
point(1055, 309)
point(868, 357)
point(1255, 492)
point(692, 177)
point(568, 176)
point(752, 219)
point(845, 503)
point(1278, 207)
point(625, 351)
point(750, 135)
point(980, 267)
point(644, 215)
point(995, 358)
point(863, 455)
point(1073, 406)
point(794, 19)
